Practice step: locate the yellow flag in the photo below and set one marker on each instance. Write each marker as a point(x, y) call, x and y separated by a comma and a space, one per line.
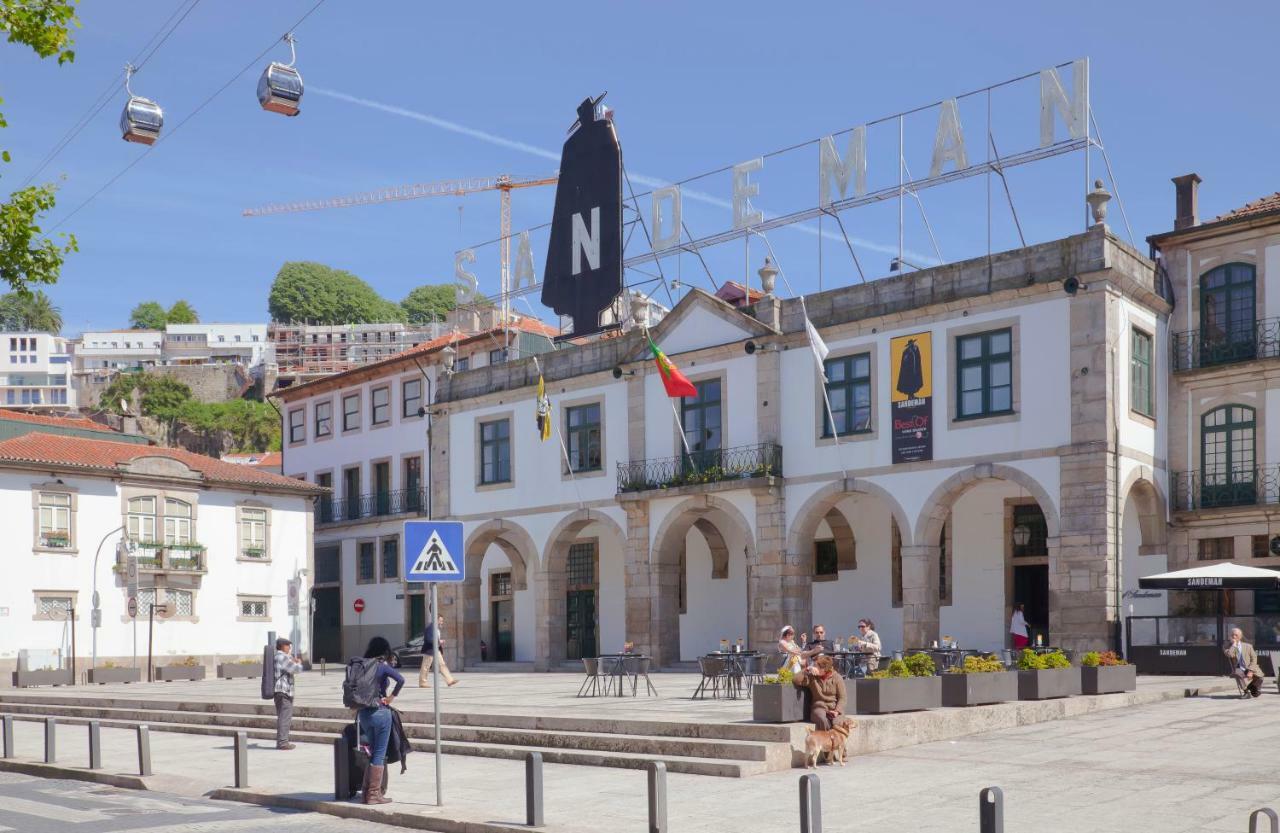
point(543, 411)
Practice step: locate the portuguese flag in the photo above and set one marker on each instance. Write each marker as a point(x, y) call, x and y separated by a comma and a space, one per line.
point(672, 379)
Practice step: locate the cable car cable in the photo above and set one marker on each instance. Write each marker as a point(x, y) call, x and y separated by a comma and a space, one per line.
point(112, 88)
point(255, 62)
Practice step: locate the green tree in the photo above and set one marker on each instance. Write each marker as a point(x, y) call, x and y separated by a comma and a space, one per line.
point(26, 256)
point(429, 302)
point(32, 311)
point(182, 313)
point(148, 315)
point(318, 294)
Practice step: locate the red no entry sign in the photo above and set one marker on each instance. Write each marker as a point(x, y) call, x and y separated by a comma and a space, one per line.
point(358, 604)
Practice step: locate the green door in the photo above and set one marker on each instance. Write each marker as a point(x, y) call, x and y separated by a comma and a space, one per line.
point(502, 615)
point(417, 616)
point(327, 628)
point(581, 624)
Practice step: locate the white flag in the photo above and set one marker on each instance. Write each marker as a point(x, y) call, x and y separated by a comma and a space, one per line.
point(818, 346)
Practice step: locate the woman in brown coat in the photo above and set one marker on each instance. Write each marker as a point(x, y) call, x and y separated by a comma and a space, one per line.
point(826, 688)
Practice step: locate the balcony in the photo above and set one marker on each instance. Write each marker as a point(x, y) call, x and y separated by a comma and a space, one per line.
point(1258, 486)
point(715, 466)
point(1195, 349)
point(331, 510)
point(155, 557)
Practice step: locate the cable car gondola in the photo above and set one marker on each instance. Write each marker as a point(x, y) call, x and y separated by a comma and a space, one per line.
point(280, 87)
point(142, 118)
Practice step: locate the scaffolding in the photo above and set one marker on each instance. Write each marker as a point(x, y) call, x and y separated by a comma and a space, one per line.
point(304, 351)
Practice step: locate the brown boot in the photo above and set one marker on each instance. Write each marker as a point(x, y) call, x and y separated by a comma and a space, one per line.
point(373, 787)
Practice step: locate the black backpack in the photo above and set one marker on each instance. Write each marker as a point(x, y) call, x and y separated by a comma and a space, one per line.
point(360, 687)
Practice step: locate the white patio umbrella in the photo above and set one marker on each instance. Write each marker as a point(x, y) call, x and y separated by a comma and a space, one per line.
point(1221, 576)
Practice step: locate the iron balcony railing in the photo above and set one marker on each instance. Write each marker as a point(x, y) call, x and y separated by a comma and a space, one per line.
point(711, 466)
point(1205, 348)
point(1254, 486)
point(167, 558)
point(331, 510)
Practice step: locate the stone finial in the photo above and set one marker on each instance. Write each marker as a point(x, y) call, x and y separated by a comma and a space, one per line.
point(1098, 199)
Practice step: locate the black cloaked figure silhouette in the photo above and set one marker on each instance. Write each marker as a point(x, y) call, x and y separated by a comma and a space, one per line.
point(910, 375)
point(590, 187)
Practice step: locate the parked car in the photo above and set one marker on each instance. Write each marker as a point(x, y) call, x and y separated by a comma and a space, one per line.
point(408, 655)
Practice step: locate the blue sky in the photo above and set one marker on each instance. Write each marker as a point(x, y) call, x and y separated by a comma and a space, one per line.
point(402, 92)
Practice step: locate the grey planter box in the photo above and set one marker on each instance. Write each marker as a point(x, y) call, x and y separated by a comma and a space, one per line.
point(777, 704)
point(1108, 679)
point(1052, 682)
point(101, 676)
point(898, 694)
point(169, 673)
point(236, 671)
point(973, 689)
point(27, 679)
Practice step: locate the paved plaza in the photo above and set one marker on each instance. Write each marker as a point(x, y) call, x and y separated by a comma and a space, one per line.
point(1196, 764)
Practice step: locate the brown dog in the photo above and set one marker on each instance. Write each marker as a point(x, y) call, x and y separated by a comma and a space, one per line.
point(832, 741)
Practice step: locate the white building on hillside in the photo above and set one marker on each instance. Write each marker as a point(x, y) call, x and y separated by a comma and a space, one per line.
point(35, 371)
point(988, 454)
point(102, 351)
point(218, 544)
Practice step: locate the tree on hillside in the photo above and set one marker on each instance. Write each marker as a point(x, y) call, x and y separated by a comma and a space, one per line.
point(182, 313)
point(429, 302)
point(148, 315)
point(27, 256)
point(318, 294)
point(31, 311)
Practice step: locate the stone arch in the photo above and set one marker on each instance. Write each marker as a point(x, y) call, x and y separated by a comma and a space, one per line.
point(551, 589)
point(701, 512)
point(822, 503)
point(1153, 517)
point(518, 546)
point(937, 507)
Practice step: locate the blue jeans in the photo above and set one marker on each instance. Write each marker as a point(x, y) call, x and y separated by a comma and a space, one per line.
point(375, 729)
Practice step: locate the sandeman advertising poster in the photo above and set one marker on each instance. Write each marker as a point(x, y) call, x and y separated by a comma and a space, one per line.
point(911, 397)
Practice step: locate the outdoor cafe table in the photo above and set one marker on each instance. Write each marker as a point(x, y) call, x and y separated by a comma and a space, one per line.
point(847, 662)
point(619, 669)
point(735, 669)
point(944, 658)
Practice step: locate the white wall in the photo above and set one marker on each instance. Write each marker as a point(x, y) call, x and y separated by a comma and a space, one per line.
point(866, 592)
point(977, 616)
point(523, 622)
point(716, 608)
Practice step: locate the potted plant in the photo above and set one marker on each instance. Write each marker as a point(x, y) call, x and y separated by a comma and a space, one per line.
point(979, 680)
point(777, 700)
point(1106, 673)
point(110, 672)
point(29, 677)
point(1043, 676)
point(55, 540)
point(241, 669)
point(908, 684)
point(253, 552)
point(187, 669)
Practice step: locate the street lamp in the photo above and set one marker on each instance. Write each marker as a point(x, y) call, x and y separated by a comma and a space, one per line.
point(1021, 535)
point(96, 615)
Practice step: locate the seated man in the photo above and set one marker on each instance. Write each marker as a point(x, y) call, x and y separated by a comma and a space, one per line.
point(1244, 665)
point(819, 643)
point(826, 688)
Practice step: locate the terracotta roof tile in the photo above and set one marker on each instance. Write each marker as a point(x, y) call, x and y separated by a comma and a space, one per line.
point(105, 455)
point(66, 422)
point(265, 459)
point(1271, 202)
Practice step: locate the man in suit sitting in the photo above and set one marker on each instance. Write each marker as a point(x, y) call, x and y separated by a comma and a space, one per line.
point(1244, 665)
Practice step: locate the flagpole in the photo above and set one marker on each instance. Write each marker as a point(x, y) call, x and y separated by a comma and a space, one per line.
point(826, 397)
point(564, 450)
point(679, 425)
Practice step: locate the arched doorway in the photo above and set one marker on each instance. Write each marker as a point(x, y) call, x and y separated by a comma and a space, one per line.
point(992, 532)
point(1144, 549)
point(849, 537)
point(701, 557)
point(581, 595)
point(497, 608)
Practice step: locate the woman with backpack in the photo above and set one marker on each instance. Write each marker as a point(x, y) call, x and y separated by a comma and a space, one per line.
point(376, 720)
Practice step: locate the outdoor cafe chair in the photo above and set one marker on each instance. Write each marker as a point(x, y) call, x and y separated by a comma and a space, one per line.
point(609, 670)
point(713, 671)
point(635, 668)
point(1007, 655)
point(754, 669)
point(590, 685)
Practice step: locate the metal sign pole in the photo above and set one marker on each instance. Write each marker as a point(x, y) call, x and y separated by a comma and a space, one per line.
point(435, 689)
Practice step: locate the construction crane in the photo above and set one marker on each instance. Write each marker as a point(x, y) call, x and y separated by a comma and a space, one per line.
point(504, 184)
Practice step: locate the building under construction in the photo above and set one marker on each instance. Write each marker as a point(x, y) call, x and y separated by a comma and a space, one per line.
point(308, 351)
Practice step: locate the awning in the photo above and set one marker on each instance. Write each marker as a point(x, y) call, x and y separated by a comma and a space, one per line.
point(1223, 576)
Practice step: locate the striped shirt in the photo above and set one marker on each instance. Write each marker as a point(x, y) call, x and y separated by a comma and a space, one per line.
point(286, 667)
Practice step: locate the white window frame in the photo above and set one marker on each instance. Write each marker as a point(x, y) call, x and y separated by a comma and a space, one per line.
point(55, 515)
point(178, 528)
point(244, 613)
point(254, 527)
point(140, 524)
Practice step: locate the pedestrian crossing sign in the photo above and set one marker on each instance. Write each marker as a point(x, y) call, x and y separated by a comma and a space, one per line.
point(433, 551)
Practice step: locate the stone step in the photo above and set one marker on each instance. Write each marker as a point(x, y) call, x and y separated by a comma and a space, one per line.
point(581, 741)
point(588, 722)
point(624, 760)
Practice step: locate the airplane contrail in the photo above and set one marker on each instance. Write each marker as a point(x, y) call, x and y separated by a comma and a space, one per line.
point(544, 153)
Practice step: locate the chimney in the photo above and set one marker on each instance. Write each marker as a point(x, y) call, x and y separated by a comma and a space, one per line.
point(1187, 188)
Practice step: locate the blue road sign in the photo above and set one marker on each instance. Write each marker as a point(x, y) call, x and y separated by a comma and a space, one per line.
point(433, 551)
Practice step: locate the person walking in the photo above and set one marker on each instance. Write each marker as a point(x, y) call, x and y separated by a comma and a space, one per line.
point(1244, 665)
point(286, 666)
point(376, 721)
point(433, 633)
point(1018, 627)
